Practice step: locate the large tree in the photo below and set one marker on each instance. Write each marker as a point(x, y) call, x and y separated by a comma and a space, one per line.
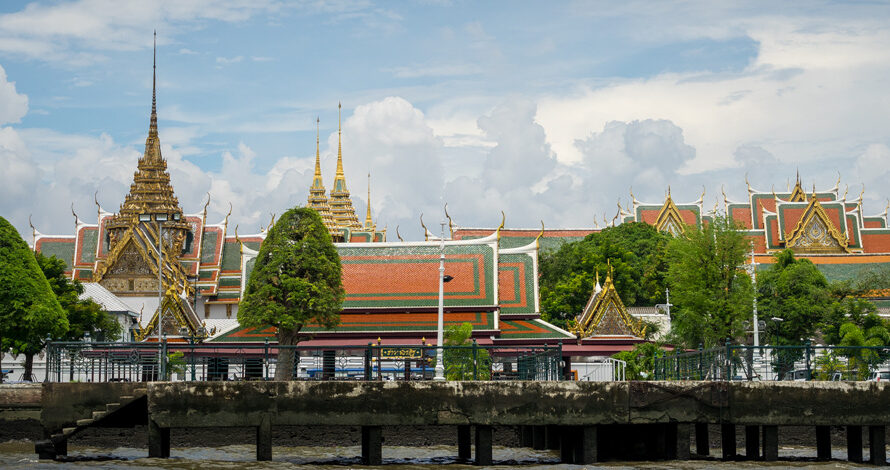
point(636, 252)
point(711, 292)
point(84, 315)
point(29, 311)
point(296, 281)
point(795, 291)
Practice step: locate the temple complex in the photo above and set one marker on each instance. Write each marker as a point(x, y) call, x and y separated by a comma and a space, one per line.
point(392, 287)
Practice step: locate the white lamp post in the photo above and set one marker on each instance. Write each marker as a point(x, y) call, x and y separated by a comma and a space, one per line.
point(752, 270)
point(159, 218)
point(440, 365)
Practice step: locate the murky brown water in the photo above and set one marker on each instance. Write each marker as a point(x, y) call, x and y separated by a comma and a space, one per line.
point(19, 455)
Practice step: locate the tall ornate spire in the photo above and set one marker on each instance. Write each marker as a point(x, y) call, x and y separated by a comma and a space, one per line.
point(341, 205)
point(153, 125)
point(369, 223)
point(151, 191)
point(317, 198)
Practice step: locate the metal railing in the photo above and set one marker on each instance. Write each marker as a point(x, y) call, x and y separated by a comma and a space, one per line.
point(143, 362)
point(772, 363)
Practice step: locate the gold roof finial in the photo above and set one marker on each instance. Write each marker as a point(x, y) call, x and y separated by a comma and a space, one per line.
point(538, 238)
point(501, 227)
point(450, 222)
point(398, 234)
point(426, 232)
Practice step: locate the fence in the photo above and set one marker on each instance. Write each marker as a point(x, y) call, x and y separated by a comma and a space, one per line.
point(804, 362)
point(143, 362)
point(604, 369)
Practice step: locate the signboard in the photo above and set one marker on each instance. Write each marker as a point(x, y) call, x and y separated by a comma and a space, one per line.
point(401, 353)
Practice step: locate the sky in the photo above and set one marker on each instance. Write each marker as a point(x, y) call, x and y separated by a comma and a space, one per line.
point(548, 111)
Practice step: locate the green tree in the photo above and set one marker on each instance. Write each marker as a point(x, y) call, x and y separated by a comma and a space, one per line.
point(462, 359)
point(84, 315)
point(794, 290)
point(640, 361)
point(296, 281)
point(29, 311)
point(637, 254)
point(712, 295)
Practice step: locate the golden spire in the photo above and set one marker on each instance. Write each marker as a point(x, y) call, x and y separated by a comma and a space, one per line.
point(340, 174)
point(317, 199)
point(153, 125)
point(369, 223)
point(340, 203)
point(317, 181)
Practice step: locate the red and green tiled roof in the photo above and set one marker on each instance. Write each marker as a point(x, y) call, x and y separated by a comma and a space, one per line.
point(407, 275)
point(60, 247)
point(531, 329)
point(371, 324)
point(516, 283)
point(514, 238)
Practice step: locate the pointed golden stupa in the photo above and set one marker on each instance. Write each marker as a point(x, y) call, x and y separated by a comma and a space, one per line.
point(317, 199)
point(340, 203)
point(369, 222)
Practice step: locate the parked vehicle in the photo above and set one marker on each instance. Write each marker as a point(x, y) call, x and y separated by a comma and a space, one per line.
point(879, 376)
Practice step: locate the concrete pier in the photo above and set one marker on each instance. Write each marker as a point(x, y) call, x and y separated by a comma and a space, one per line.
point(463, 442)
point(589, 421)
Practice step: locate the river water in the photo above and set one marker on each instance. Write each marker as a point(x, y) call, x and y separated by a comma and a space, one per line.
point(19, 455)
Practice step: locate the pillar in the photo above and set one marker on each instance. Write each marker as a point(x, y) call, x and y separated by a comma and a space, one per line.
point(877, 445)
point(586, 451)
point(727, 440)
point(539, 438)
point(752, 442)
point(372, 445)
point(158, 440)
point(264, 439)
point(483, 445)
point(680, 450)
point(770, 443)
point(552, 432)
point(854, 443)
point(527, 439)
point(823, 442)
point(567, 439)
point(463, 442)
point(702, 442)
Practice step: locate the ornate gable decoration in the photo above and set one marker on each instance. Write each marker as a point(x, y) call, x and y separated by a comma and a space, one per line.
point(606, 315)
point(815, 233)
point(669, 219)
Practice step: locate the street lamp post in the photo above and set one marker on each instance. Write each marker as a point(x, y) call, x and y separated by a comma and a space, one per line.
point(752, 270)
point(440, 365)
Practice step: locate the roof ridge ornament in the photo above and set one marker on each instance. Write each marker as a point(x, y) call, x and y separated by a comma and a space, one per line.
point(399, 236)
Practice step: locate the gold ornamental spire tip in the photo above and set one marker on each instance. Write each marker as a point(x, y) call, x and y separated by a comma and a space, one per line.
point(154, 82)
point(369, 223)
point(339, 145)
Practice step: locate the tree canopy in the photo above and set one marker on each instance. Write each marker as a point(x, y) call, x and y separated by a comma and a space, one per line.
point(29, 311)
point(712, 295)
point(296, 281)
point(794, 290)
point(84, 315)
point(637, 254)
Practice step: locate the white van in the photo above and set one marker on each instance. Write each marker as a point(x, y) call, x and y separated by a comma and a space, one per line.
point(879, 376)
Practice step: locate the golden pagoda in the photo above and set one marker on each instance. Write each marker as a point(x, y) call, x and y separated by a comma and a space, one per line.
point(317, 199)
point(151, 213)
point(340, 203)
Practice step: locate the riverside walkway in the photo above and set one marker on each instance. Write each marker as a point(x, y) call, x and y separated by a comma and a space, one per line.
point(587, 421)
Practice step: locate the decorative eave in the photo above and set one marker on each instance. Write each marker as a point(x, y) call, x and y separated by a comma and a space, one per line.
point(669, 218)
point(598, 306)
point(814, 211)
